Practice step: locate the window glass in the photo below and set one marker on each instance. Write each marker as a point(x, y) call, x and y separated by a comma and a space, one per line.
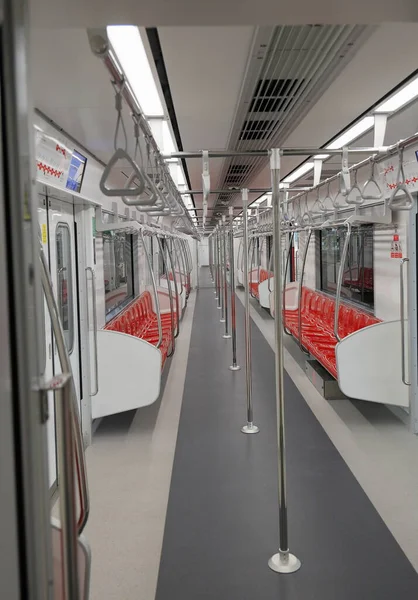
point(357, 284)
point(118, 269)
point(65, 284)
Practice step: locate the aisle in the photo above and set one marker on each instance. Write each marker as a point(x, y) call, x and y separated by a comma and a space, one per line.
point(221, 524)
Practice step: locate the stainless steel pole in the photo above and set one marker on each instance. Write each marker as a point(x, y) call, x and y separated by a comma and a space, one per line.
point(221, 273)
point(283, 561)
point(234, 366)
point(249, 427)
point(226, 335)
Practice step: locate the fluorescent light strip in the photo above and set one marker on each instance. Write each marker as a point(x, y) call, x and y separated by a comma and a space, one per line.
point(351, 134)
point(127, 44)
point(302, 170)
point(400, 98)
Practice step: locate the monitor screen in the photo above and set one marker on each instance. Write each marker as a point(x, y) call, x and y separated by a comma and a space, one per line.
point(76, 171)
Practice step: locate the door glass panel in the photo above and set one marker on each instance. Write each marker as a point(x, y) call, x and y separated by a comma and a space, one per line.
point(64, 284)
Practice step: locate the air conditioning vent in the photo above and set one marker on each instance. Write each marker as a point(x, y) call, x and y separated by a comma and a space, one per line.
point(238, 169)
point(272, 95)
point(255, 130)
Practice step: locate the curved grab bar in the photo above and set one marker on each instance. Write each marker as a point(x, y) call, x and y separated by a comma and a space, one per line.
point(270, 271)
point(340, 280)
point(182, 273)
point(250, 290)
point(402, 302)
point(154, 286)
point(372, 181)
point(96, 356)
point(177, 262)
point(170, 296)
point(305, 254)
point(65, 361)
point(292, 235)
point(401, 186)
point(173, 272)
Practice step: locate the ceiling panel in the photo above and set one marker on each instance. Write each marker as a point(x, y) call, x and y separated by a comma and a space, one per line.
point(151, 13)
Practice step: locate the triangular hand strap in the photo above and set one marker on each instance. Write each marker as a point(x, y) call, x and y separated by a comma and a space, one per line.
point(121, 154)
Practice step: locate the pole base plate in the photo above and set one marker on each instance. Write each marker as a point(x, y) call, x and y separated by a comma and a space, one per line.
point(234, 368)
point(226, 336)
point(250, 428)
point(284, 562)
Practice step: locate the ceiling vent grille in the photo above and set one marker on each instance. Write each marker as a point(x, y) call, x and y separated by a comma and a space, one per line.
point(272, 95)
point(298, 63)
point(255, 130)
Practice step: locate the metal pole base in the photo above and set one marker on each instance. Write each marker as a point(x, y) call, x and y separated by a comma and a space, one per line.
point(284, 562)
point(250, 428)
point(234, 368)
point(221, 320)
point(226, 336)
point(219, 307)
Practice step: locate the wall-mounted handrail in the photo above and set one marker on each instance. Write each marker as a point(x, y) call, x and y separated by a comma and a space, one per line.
point(65, 361)
point(182, 267)
point(154, 286)
point(252, 247)
point(305, 254)
point(292, 235)
point(402, 302)
point(94, 307)
point(340, 280)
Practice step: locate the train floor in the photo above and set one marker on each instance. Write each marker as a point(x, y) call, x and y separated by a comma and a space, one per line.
point(184, 505)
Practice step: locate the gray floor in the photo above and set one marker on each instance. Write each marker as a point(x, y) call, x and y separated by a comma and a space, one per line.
point(221, 524)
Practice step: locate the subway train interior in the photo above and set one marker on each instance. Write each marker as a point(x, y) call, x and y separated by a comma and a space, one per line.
point(209, 331)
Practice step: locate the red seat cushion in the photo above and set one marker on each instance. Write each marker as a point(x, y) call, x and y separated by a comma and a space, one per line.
point(317, 319)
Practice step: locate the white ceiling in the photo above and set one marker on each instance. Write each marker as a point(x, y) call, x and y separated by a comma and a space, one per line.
point(151, 13)
point(205, 67)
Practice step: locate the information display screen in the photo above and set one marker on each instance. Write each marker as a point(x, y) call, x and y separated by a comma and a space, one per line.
point(76, 171)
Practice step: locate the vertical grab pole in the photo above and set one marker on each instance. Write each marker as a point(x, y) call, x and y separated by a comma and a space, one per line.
point(234, 366)
point(225, 279)
point(249, 427)
point(221, 273)
point(283, 561)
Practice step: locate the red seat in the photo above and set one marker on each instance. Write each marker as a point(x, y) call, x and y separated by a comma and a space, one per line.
point(317, 320)
point(139, 319)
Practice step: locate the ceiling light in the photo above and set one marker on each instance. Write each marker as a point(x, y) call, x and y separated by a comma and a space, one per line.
point(302, 170)
point(400, 98)
point(169, 145)
point(351, 134)
point(127, 44)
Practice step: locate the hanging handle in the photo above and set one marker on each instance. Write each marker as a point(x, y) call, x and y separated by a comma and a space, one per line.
point(408, 202)
point(372, 181)
point(402, 300)
point(354, 195)
point(96, 360)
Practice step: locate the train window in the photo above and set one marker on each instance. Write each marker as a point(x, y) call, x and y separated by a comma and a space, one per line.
point(357, 284)
point(118, 270)
point(65, 284)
